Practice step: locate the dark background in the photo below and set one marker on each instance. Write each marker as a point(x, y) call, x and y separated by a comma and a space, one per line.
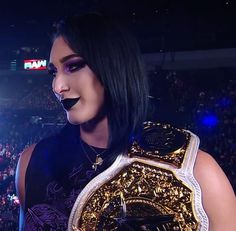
point(195, 94)
point(159, 25)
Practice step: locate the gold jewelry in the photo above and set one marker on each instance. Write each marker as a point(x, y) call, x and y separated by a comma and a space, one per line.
point(98, 160)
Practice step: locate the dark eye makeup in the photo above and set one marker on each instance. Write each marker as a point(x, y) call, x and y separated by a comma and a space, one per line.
point(69, 66)
point(52, 70)
point(74, 65)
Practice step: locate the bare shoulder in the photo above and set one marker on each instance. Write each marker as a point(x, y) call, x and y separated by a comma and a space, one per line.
point(26, 154)
point(21, 171)
point(218, 196)
point(207, 171)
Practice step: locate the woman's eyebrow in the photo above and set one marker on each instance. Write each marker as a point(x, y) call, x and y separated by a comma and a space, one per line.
point(64, 59)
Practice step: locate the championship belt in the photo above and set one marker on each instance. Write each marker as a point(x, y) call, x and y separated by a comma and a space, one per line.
point(151, 187)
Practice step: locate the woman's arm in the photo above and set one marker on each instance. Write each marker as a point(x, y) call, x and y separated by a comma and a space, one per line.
point(20, 180)
point(218, 196)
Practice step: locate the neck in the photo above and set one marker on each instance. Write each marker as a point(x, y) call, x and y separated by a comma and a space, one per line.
point(95, 134)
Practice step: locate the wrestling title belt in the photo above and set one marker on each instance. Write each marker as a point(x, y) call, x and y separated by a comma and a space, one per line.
point(151, 187)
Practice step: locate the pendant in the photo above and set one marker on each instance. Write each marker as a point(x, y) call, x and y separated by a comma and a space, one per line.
point(97, 163)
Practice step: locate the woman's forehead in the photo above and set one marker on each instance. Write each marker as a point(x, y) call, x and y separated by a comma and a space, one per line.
point(59, 50)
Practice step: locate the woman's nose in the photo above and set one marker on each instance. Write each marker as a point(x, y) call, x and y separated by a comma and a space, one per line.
point(60, 86)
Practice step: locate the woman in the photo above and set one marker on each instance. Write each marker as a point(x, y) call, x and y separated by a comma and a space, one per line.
point(99, 80)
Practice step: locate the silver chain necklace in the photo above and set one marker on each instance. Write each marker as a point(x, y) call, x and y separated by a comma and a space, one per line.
point(98, 160)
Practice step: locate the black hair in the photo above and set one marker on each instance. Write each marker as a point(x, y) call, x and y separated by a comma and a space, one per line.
point(114, 56)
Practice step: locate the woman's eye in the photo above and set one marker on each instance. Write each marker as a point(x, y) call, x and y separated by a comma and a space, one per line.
point(75, 66)
point(52, 72)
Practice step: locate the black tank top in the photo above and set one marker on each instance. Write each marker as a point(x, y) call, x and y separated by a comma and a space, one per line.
point(57, 172)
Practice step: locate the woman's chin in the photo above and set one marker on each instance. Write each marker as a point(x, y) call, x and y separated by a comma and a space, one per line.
point(89, 118)
point(74, 121)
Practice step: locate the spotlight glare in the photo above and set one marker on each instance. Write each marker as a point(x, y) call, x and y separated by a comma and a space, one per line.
point(209, 120)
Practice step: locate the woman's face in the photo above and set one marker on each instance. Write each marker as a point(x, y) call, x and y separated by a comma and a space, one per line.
point(74, 84)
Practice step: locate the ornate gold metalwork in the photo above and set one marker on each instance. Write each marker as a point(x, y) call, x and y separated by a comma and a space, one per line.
point(162, 143)
point(147, 191)
point(143, 188)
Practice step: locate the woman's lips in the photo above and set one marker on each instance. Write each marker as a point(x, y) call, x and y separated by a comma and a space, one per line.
point(69, 102)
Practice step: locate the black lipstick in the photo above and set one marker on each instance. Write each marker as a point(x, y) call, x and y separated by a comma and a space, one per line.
point(69, 102)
